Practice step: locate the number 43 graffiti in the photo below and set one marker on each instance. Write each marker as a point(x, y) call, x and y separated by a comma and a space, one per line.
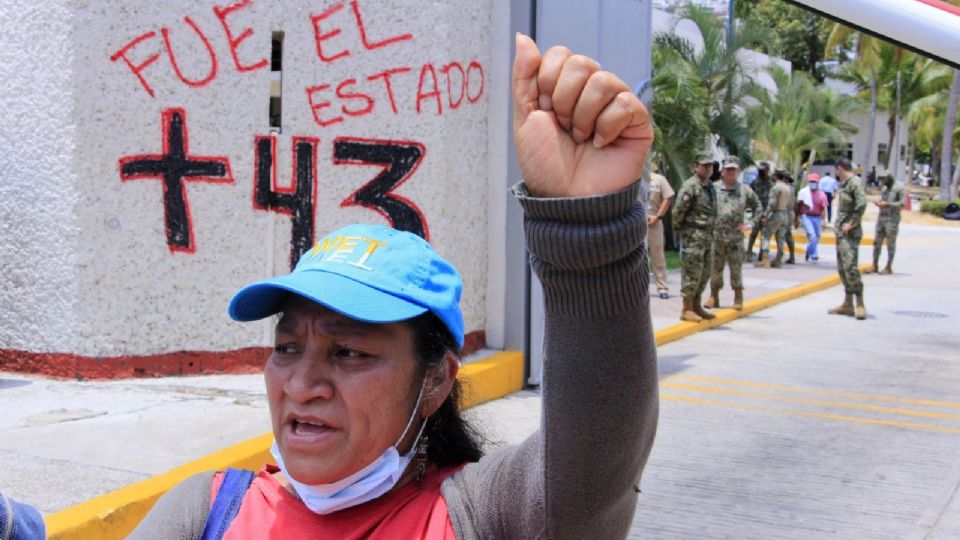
point(175, 166)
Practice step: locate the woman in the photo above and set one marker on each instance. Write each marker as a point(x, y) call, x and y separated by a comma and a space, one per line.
point(362, 382)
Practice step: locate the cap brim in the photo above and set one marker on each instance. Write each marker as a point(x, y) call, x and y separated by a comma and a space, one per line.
point(343, 295)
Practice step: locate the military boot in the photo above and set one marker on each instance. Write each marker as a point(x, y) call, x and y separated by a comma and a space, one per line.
point(778, 261)
point(738, 299)
point(791, 260)
point(889, 268)
point(748, 256)
point(687, 313)
point(698, 309)
point(844, 309)
point(876, 265)
point(861, 311)
point(764, 260)
point(714, 300)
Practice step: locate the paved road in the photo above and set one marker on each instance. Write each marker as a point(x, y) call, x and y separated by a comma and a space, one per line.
point(792, 423)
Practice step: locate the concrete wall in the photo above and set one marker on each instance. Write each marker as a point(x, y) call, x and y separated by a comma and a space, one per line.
point(101, 259)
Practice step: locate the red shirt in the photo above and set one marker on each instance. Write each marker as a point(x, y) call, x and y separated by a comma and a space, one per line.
point(270, 511)
point(819, 203)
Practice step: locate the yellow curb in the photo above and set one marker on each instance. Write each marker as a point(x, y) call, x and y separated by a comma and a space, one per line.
point(684, 329)
point(115, 514)
point(828, 239)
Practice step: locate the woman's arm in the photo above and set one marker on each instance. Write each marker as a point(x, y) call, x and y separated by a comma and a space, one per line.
point(577, 477)
point(180, 513)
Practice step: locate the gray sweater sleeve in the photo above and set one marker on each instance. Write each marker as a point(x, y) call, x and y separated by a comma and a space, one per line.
point(578, 476)
point(180, 513)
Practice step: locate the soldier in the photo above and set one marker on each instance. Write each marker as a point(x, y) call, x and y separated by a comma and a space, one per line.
point(851, 203)
point(733, 199)
point(892, 197)
point(774, 221)
point(694, 215)
point(761, 188)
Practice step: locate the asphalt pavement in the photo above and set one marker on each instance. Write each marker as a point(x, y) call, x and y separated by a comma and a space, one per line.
point(791, 423)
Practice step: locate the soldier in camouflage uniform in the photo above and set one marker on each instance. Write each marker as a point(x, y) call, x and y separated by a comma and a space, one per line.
point(852, 202)
point(761, 188)
point(892, 197)
point(694, 215)
point(791, 219)
point(774, 220)
point(733, 199)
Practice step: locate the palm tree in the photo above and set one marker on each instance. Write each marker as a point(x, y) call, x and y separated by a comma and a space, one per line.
point(862, 72)
point(798, 118)
point(948, 188)
point(920, 78)
point(724, 75)
point(680, 121)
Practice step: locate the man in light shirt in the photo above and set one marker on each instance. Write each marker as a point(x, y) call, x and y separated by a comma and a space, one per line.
point(828, 185)
point(811, 203)
point(661, 195)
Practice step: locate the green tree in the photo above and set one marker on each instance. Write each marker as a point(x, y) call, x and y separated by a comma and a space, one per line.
point(680, 106)
point(796, 34)
point(797, 118)
point(863, 72)
point(948, 189)
point(919, 77)
point(723, 75)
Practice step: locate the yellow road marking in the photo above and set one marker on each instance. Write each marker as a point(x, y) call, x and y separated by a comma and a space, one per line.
point(811, 401)
point(820, 391)
point(827, 416)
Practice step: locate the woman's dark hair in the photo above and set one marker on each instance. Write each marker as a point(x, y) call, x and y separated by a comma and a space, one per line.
point(452, 440)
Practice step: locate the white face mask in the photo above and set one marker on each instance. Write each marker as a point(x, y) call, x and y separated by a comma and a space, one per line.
point(813, 186)
point(364, 485)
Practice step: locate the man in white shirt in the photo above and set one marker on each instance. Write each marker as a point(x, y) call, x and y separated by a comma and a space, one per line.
point(828, 184)
point(661, 195)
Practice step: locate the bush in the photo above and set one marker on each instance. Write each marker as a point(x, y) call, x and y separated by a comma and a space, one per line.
point(935, 207)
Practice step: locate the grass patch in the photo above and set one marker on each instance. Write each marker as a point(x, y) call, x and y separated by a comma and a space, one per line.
point(931, 207)
point(673, 259)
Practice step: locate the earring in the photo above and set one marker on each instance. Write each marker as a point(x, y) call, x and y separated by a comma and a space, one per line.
point(422, 458)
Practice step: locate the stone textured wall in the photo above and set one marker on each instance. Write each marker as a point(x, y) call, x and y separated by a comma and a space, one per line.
point(137, 192)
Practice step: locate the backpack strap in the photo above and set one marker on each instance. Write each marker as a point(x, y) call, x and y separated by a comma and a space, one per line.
point(227, 504)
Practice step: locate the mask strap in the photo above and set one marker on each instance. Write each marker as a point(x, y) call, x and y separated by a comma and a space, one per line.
point(413, 414)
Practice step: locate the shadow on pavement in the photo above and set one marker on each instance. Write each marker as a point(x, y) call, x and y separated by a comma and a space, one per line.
point(12, 383)
point(670, 364)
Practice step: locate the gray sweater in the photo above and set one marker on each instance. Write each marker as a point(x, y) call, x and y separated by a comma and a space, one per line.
point(579, 475)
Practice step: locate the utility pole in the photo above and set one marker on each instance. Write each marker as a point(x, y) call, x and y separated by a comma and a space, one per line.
point(730, 25)
point(896, 136)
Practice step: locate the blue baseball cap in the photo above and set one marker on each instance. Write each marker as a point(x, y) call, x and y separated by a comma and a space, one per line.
point(369, 273)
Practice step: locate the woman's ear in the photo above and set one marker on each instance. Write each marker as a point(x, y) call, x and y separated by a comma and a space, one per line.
point(440, 379)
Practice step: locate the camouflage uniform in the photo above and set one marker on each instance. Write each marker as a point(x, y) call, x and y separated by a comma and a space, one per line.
point(888, 222)
point(732, 204)
point(761, 188)
point(694, 216)
point(852, 202)
point(777, 213)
